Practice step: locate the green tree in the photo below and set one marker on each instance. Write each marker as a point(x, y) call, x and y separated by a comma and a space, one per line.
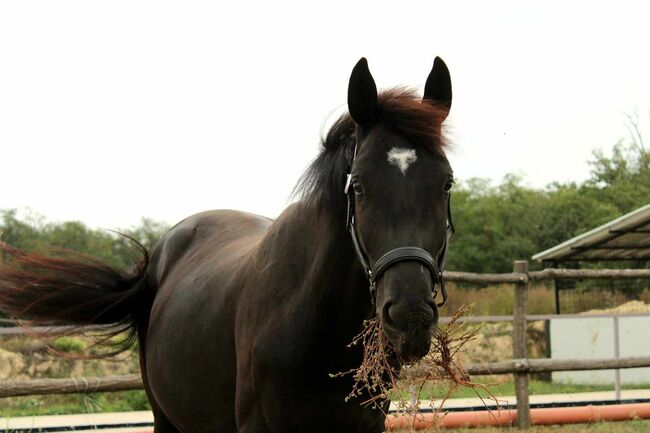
point(498, 224)
point(23, 234)
point(622, 179)
point(148, 232)
point(34, 235)
point(493, 224)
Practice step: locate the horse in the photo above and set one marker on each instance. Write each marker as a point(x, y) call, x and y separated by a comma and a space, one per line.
point(241, 320)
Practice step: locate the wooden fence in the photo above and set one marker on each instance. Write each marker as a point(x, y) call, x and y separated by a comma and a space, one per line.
point(520, 366)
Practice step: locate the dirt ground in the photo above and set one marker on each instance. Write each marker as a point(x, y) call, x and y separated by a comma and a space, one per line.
point(494, 342)
point(23, 358)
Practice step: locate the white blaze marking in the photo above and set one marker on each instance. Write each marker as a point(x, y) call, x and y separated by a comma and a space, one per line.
point(402, 158)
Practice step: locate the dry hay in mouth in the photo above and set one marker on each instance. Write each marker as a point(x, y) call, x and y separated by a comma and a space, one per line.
point(383, 376)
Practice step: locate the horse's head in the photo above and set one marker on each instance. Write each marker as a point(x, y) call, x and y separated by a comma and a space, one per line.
point(398, 193)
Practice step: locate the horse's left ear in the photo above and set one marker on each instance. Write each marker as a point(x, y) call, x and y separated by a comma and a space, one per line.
point(438, 86)
point(362, 94)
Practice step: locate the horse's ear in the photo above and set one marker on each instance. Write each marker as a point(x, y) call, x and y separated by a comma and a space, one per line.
point(362, 94)
point(438, 86)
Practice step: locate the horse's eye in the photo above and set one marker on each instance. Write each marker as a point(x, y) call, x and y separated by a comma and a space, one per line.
point(448, 185)
point(356, 186)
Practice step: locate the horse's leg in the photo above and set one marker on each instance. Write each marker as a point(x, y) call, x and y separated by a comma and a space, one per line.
point(161, 423)
point(252, 422)
point(250, 417)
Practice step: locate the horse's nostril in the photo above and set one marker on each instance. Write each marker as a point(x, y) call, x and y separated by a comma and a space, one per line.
point(386, 314)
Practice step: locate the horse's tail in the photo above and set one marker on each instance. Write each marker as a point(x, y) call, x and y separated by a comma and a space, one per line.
point(76, 291)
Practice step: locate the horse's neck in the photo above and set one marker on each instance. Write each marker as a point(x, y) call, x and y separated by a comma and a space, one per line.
point(321, 251)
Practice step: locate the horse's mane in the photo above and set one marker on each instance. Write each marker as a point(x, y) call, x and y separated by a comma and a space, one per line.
point(402, 110)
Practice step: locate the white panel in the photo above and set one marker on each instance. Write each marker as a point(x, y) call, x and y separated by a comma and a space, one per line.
point(590, 338)
point(583, 339)
point(635, 341)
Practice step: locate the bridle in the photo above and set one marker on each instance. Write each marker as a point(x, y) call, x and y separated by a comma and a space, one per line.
point(399, 254)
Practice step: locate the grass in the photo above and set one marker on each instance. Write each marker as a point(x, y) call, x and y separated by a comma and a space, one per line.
point(498, 299)
point(504, 386)
point(124, 401)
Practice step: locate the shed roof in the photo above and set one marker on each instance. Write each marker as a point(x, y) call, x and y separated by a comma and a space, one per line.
point(625, 238)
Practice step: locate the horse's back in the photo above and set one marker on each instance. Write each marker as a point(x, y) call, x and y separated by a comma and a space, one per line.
point(224, 235)
point(196, 270)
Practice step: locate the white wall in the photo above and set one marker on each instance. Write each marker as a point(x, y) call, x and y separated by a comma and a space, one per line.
point(589, 338)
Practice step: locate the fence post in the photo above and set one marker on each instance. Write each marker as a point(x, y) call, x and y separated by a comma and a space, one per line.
point(519, 345)
point(617, 354)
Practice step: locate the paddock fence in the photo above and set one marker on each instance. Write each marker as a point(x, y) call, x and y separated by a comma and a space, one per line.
point(520, 365)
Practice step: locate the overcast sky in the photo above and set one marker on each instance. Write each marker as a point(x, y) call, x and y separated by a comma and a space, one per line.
point(111, 111)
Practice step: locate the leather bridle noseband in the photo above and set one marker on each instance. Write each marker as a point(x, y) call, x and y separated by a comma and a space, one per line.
point(400, 254)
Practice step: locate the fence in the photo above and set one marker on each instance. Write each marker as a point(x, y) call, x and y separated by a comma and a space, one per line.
point(520, 366)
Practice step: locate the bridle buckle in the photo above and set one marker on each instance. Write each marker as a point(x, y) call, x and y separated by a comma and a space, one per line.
point(348, 180)
point(373, 289)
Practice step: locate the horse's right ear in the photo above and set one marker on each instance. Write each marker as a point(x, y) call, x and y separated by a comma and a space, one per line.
point(362, 94)
point(438, 86)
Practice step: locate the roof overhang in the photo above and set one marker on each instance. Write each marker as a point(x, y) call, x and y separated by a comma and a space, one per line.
point(626, 238)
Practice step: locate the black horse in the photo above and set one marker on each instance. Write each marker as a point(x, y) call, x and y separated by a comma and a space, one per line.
point(242, 319)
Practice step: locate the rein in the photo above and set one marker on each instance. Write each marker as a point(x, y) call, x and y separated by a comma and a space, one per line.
point(399, 254)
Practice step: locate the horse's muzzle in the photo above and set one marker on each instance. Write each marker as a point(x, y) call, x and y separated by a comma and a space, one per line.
point(409, 327)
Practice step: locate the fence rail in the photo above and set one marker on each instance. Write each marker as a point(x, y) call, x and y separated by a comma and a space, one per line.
point(81, 385)
point(49, 330)
point(525, 365)
point(84, 385)
point(547, 274)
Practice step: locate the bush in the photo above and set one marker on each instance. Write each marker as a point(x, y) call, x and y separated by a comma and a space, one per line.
point(68, 344)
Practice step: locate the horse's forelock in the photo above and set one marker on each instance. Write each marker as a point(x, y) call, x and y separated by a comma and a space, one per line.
point(400, 108)
point(416, 120)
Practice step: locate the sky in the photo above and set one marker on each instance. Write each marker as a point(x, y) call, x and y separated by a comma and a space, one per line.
point(113, 111)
